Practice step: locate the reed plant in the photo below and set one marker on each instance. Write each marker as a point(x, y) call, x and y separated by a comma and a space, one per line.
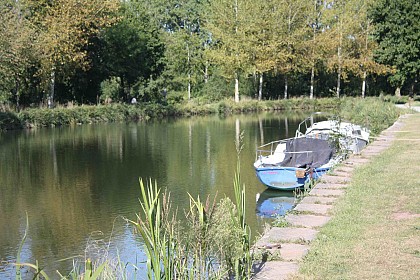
point(203, 247)
point(243, 264)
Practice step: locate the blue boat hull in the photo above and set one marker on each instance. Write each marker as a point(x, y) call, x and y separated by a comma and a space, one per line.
point(284, 178)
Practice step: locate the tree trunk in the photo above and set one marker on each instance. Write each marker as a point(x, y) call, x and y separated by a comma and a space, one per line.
point(365, 60)
point(314, 27)
point(260, 87)
point(236, 89)
point(411, 93)
point(17, 95)
point(189, 69)
point(285, 87)
point(50, 99)
point(364, 84)
point(189, 86)
point(311, 93)
point(398, 92)
point(339, 72)
point(340, 43)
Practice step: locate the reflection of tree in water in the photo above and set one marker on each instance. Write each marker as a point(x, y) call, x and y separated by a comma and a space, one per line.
point(75, 180)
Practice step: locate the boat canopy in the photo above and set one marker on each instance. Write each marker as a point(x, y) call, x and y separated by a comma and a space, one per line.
point(307, 152)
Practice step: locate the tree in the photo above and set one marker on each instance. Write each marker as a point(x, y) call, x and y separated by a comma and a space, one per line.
point(339, 23)
point(264, 44)
point(16, 49)
point(397, 32)
point(185, 44)
point(316, 41)
point(360, 45)
point(291, 27)
point(64, 28)
point(228, 24)
point(132, 51)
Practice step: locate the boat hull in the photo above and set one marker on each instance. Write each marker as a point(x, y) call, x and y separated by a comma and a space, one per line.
point(285, 178)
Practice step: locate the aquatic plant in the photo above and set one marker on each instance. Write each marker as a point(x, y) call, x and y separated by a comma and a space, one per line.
point(206, 248)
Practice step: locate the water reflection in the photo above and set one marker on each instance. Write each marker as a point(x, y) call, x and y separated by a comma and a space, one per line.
point(73, 181)
point(272, 203)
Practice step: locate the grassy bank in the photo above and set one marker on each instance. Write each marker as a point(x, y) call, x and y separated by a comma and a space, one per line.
point(372, 112)
point(375, 231)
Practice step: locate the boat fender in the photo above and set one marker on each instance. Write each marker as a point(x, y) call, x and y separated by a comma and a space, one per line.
point(300, 173)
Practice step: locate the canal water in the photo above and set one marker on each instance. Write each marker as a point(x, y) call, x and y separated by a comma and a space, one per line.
point(77, 185)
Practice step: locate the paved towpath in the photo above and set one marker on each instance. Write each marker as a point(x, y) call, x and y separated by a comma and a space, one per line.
point(290, 244)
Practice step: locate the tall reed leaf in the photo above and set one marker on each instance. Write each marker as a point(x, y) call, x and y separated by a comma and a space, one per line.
point(149, 227)
point(244, 263)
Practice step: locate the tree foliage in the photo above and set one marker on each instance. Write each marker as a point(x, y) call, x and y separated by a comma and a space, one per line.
point(63, 29)
point(16, 50)
point(203, 49)
point(397, 31)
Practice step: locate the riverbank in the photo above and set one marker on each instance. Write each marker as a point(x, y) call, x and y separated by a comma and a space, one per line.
point(360, 222)
point(119, 112)
point(355, 109)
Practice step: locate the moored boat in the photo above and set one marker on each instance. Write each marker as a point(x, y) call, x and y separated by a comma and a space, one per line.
point(351, 137)
point(291, 163)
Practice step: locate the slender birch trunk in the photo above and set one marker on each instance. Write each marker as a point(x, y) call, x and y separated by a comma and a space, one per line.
point(311, 92)
point(50, 100)
point(189, 71)
point(398, 91)
point(206, 72)
point(340, 44)
point(236, 74)
point(260, 87)
point(189, 86)
point(364, 84)
point(236, 88)
point(285, 87)
point(339, 71)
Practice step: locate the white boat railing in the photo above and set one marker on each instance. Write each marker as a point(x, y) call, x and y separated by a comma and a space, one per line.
point(268, 148)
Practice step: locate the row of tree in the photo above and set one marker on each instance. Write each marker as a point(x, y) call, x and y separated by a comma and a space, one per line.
point(101, 50)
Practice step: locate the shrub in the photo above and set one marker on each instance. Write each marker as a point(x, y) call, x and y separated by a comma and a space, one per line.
point(9, 120)
point(110, 89)
point(372, 113)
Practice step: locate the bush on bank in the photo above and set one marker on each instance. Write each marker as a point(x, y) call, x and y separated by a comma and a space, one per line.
point(372, 113)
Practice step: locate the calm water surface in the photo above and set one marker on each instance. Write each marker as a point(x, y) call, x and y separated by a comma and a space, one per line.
point(77, 184)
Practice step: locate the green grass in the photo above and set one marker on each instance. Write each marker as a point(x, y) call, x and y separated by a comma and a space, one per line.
point(374, 233)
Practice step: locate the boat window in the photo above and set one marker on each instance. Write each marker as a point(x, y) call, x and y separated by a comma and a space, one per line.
point(357, 132)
